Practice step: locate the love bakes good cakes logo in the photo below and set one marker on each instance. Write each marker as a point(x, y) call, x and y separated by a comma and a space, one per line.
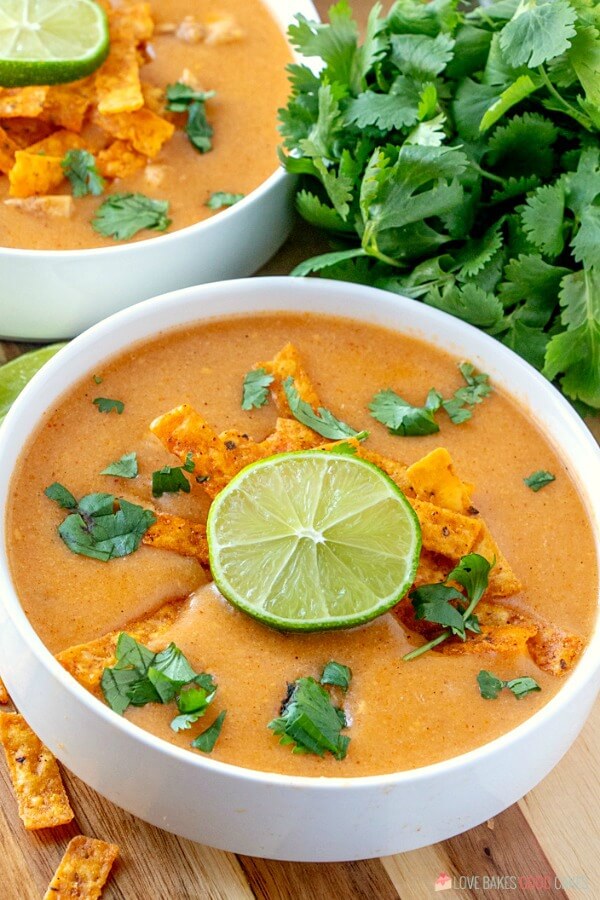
point(522, 883)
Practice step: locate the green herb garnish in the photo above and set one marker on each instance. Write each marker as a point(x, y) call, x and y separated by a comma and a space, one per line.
point(310, 721)
point(105, 405)
point(170, 479)
point(434, 602)
point(490, 686)
point(453, 157)
point(221, 198)
point(537, 480)
point(336, 674)
point(100, 526)
point(182, 98)
point(255, 390)
point(459, 407)
point(79, 167)
point(126, 467)
point(121, 216)
point(98, 379)
point(207, 739)
point(322, 421)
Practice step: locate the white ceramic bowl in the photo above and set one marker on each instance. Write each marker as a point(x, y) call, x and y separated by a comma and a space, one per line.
point(253, 812)
point(48, 295)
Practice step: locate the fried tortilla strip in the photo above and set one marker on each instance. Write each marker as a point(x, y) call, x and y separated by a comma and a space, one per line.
point(132, 23)
point(41, 797)
point(57, 144)
point(146, 131)
point(118, 88)
point(289, 435)
point(284, 365)
point(555, 650)
point(444, 531)
point(179, 535)
point(8, 148)
point(4, 698)
point(55, 206)
point(155, 99)
point(119, 160)
point(510, 640)
point(83, 870)
point(396, 470)
point(86, 662)
point(32, 175)
point(23, 101)
point(66, 105)
point(502, 580)
point(431, 569)
point(434, 479)
point(183, 431)
point(25, 132)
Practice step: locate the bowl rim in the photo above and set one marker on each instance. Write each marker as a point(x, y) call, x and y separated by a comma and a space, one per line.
point(279, 175)
point(585, 673)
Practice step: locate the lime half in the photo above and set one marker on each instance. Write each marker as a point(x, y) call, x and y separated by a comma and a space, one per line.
point(15, 374)
point(313, 540)
point(50, 41)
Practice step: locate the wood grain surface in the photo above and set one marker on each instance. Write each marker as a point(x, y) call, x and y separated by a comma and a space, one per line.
point(551, 838)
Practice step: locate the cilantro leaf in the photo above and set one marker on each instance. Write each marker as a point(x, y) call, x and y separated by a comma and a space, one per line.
point(337, 674)
point(310, 721)
point(170, 479)
point(539, 31)
point(490, 686)
point(476, 390)
point(537, 480)
point(472, 573)
point(322, 421)
point(401, 418)
point(255, 390)
point(198, 129)
point(543, 216)
point(180, 96)
point(219, 199)
point(421, 56)
point(208, 738)
point(122, 215)
point(433, 603)
point(469, 303)
point(61, 495)
point(125, 467)
point(79, 167)
point(105, 405)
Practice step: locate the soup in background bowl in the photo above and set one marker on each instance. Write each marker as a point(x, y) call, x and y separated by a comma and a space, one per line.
point(420, 731)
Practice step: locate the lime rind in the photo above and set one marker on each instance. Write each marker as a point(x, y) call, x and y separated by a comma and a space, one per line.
point(16, 373)
point(333, 544)
point(51, 42)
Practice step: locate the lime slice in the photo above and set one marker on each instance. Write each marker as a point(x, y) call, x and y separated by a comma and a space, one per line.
point(313, 540)
point(15, 374)
point(50, 41)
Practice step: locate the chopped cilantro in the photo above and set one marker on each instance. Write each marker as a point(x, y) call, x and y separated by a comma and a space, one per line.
point(121, 216)
point(105, 405)
point(125, 467)
point(444, 605)
point(222, 198)
point(255, 390)
point(170, 479)
point(537, 480)
point(322, 421)
point(345, 448)
point(490, 686)
point(98, 379)
point(180, 96)
point(337, 674)
point(100, 525)
point(79, 167)
point(476, 390)
point(310, 721)
point(208, 738)
point(184, 99)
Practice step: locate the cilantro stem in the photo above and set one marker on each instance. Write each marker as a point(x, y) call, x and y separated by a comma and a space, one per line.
point(490, 175)
point(568, 108)
point(445, 634)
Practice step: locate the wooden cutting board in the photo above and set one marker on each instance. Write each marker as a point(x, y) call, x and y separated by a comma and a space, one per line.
point(547, 845)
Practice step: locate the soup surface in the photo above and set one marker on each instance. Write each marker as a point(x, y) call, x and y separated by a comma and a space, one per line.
point(402, 714)
point(231, 47)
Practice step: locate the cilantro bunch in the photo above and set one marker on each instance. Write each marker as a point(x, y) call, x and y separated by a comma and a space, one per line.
point(453, 156)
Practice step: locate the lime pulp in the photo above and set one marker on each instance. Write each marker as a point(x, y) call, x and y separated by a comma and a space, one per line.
point(15, 374)
point(313, 540)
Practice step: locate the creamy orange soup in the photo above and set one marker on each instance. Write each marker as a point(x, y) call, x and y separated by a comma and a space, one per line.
point(402, 714)
point(244, 65)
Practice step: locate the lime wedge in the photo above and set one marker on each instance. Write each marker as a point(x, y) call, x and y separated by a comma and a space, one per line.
point(15, 374)
point(313, 540)
point(50, 41)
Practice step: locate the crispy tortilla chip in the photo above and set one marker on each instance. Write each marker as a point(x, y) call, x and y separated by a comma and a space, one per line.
point(83, 870)
point(289, 435)
point(183, 431)
point(67, 104)
point(396, 470)
point(41, 796)
point(22, 101)
point(118, 88)
point(57, 144)
point(555, 650)
point(119, 160)
point(8, 148)
point(444, 531)
point(55, 206)
point(86, 662)
point(33, 174)
point(25, 132)
point(4, 698)
point(180, 535)
point(510, 640)
point(133, 23)
point(502, 580)
point(433, 479)
point(146, 131)
point(285, 364)
point(154, 98)
point(432, 569)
